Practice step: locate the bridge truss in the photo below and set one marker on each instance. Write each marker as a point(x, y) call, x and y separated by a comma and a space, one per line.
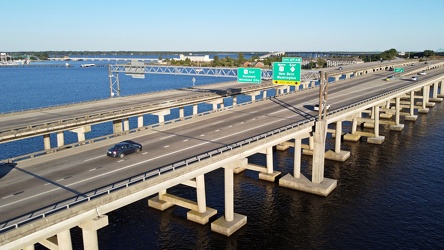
point(138, 70)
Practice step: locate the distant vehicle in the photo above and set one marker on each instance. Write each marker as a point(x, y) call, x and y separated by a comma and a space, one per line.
point(426, 63)
point(414, 78)
point(391, 69)
point(390, 78)
point(412, 64)
point(340, 68)
point(423, 73)
point(87, 65)
point(316, 107)
point(124, 148)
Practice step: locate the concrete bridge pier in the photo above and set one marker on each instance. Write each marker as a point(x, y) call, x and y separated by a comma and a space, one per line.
point(231, 222)
point(199, 212)
point(89, 231)
point(353, 136)
point(253, 95)
point(397, 126)
point(423, 104)
point(318, 185)
point(439, 89)
point(336, 77)
point(412, 116)
point(140, 121)
point(117, 126)
point(195, 110)
point(81, 132)
point(161, 115)
point(338, 154)
point(181, 112)
point(435, 97)
point(47, 141)
point(270, 175)
point(216, 102)
point(61, 241)
point(377, 139)
point(234, 100)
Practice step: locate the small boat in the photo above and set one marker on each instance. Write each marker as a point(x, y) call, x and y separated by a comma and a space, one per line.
point(87, 65)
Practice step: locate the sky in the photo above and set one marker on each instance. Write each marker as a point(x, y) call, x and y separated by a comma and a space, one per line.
point(221, 25)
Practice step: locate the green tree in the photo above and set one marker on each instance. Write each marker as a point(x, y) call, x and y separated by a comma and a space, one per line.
point(429, 53)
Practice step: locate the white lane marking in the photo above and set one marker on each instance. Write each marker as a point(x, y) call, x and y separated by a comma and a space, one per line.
point(214, 123)
point(92, 169)
point(167, 146)
point(185, 140)
point(202, 135)
point(144, 153)
point(217, 130)
point(90, 159)
point(59, 180)
point(142, 162)
point(6, 197)
point(166, 137)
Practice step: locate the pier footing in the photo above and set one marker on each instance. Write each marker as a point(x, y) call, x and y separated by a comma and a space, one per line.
point(228, 227)
point(303, 184)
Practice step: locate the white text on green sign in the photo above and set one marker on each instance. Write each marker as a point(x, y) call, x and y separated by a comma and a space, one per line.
point(292, 59)
point(398, 70)
point(286, 73)
point(249, 75)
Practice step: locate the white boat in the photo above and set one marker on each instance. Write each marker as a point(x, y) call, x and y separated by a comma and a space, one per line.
point(87, 65)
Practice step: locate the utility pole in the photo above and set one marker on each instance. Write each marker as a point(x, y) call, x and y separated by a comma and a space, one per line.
point(323, 89)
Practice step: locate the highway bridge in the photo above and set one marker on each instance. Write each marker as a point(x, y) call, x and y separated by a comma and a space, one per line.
point(45, 195)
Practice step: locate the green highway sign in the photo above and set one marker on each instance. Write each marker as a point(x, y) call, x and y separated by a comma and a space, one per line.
point(249, 75)
point(292, 59)
point(398, 70)
point(287, 73)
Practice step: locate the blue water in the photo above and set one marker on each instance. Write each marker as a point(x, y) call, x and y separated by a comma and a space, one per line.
point(389, 196)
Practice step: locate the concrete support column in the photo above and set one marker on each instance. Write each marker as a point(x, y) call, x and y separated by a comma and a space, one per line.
point(229, 194)
point(64, 240)
point(161, 115)
point(297, 157)
point(435, 90)
point(89, 232)
point(117, 126)
point(60, 138)
point(336, 78)
point(375, 111)
point(181, 112)
point(140, 121)
point(125, 124)
point(234, 100)
point(319, 151)
point(82, 130)
point(269, 153)
point(264, 94)
point(47, 141)
point(354, 125)
point(195, 111)
point(200, 190)
point(311, 142)
point(338, 136)
point(398, 109)
point(426, 93)
point(412, 103)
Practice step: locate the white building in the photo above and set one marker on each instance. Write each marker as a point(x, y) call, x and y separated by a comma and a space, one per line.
point(204, 58)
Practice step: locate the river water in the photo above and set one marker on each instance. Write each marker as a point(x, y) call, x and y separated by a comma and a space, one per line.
point(389, 196)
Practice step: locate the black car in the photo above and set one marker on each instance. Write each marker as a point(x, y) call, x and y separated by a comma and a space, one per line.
point(124, 148)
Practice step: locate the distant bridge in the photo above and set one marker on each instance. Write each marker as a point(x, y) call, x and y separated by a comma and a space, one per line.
point(101, 59)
